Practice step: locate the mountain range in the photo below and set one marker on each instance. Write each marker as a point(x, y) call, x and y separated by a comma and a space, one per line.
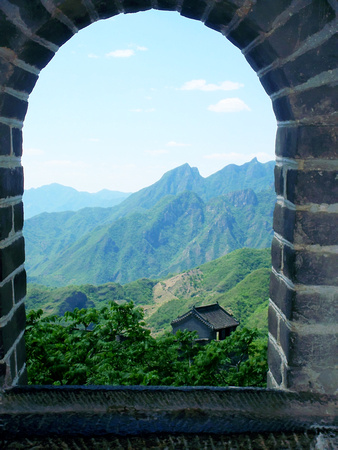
point(56, 198)
point(181, 221)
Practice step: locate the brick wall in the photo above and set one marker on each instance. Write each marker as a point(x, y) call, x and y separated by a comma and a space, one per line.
point(292, 45)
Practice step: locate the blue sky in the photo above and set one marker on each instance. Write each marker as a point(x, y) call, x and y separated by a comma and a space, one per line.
point(131, 97)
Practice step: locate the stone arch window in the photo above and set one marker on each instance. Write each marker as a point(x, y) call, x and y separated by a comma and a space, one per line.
point(292, 45)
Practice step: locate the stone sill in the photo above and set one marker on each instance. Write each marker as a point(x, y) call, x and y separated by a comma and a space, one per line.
point(143, 410)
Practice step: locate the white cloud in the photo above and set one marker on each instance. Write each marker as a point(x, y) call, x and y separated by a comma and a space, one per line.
point(120, 53)
point(156, 152)
point(94, 140)
point(140, 48)
point(92, 55)
point(229, 105)
point(177, 144)
point(201, 85)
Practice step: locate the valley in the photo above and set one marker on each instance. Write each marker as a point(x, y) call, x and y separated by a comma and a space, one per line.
point(239, 281)
point(180, 222)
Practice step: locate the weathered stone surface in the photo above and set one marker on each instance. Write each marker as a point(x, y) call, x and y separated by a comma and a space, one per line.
point(105, 9)
point(17, 141)
point(32, 13)
point(3, 370)
point(140, 410)
point(21, 353)
point(283, 258)
point(307, 142)
point(303, 68)
point(5, 140)
point(276, 255)
point(309, 20)
point(313, 350)
point(10, 332)
point(291, 185)
point(284, 221)
point(243, 35)
point(319, 101)
point(18, 217)
point(11, 182)
point(76, 11)
point(131, 6)
point(167, 5)
point(283, 109)
point(311, 380)
point(308, 306)
point(288, 262)
point(12, 365)
point(281, 31)
point(11, 257)
point(21, 80)
point(280, 440)
point(273, 322)
point(55, 31)
point(12, 107)
point(279, 180)
point(284, 337)
point(315, 228)
point(20, 286)
point(264, 13)
point(315, 306)
point(275, 363)
point(312, 186)
point(315, 268)
point(220, 15)
point(5, 222)
point(274, 80)
point(35, 54)
point(23, 378)
point(9, 32)
point(282, 295)
point(6, 298)
point(261, 56)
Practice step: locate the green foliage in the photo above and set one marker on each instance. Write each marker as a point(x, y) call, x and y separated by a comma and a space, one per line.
point(239, 281)
point(59, 300)
point(112, 346)
point(180, 222)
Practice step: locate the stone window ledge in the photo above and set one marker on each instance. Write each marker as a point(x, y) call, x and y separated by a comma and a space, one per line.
point(139, 410)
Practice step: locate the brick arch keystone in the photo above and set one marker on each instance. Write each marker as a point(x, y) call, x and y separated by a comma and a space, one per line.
point(292, 46)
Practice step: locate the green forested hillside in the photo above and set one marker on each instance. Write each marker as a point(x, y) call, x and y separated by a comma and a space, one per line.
point(178, 233)
point(59, 300)
point(239, 281)
point(179, 222)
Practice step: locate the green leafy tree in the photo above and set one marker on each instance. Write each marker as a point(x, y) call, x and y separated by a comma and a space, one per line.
point(112, 346)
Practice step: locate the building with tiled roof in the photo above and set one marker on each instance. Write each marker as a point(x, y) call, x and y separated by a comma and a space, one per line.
point(211, 322)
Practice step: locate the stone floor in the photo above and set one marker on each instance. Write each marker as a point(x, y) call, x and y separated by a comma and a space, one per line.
point(322, 440)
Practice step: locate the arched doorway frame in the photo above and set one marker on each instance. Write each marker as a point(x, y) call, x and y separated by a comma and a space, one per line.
point(291, 45)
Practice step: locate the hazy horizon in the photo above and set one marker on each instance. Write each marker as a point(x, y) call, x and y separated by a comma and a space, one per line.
point(131, 192)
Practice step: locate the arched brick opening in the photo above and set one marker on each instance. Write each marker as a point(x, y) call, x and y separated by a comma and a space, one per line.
point(292, 45)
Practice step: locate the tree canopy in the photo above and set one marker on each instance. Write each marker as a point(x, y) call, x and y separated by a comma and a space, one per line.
point(113, 346)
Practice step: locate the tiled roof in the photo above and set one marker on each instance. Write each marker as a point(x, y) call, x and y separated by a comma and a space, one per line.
point(214, 316)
